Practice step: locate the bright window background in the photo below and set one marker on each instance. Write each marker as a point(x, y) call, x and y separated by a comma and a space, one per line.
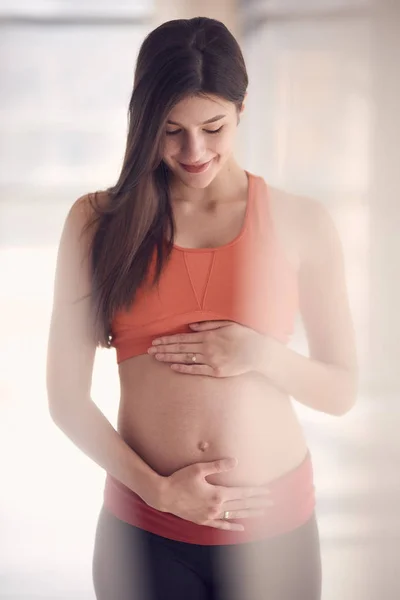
point(67, 70)
point(66, 80)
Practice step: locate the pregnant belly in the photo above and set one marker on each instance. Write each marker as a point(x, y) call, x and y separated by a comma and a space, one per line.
point(172, 420)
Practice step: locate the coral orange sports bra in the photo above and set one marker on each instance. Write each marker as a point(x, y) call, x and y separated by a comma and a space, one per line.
point(249, 281)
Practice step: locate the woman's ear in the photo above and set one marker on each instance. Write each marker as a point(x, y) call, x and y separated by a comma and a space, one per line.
point(240, 112)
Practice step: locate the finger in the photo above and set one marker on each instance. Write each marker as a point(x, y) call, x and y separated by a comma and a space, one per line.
point(179, 338)
point(245, 514)
point(176, 348)
point(194, 370)
point(224, 524)
point(251, 503)
point(206, 325)
point(239, 493)
point(180, 358)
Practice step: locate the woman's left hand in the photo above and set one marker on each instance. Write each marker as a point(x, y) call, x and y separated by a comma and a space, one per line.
point(221, 348)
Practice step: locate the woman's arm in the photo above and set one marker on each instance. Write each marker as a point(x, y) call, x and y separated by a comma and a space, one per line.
point(326, 381)
point(324, 387)
point(70, 359)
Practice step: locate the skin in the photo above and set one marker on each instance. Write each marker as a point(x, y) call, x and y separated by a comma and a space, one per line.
point(175, 420)
point(180, 418)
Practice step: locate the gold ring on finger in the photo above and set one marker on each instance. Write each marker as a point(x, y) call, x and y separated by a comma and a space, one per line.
point(227, 514)
point(193, 358)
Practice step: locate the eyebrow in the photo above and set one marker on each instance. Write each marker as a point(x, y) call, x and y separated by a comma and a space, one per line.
point(217, 118)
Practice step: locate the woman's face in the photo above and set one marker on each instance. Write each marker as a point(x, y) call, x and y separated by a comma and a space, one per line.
point(199, 138)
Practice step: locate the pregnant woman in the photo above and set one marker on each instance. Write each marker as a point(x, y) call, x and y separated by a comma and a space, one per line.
point(194, 269)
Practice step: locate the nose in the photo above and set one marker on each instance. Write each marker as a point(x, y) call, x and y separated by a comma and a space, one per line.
point(193, 149)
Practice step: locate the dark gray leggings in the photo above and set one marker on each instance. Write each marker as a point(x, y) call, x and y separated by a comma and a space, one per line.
point(132, 564)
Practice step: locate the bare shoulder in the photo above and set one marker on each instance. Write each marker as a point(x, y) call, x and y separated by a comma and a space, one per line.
point(80, 223)
point(84, 209)
point(320, 239)
point(73, 277)
point(304, 225)
point(288, 213)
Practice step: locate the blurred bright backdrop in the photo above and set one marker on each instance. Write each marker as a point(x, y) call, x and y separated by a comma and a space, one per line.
point(321, 119)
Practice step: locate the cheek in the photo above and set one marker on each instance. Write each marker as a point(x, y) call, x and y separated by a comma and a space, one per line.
point(224, 144)
point(171, 147)
point(228, 140)
point(221, 145)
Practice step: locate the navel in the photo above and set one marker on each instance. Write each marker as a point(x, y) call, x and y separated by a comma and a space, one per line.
point(203, 445)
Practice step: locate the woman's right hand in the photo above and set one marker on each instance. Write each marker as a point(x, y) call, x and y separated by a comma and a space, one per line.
point(188, 495)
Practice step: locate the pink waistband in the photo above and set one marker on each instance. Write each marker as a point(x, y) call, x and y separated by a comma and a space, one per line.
point(294, 502)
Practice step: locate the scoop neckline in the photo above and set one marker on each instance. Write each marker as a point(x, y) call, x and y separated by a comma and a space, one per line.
point(241, 232)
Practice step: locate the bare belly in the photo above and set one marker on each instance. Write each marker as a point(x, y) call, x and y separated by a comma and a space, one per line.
point(173, 420)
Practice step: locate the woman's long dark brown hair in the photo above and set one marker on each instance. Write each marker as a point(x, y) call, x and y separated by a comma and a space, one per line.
point(180, 58)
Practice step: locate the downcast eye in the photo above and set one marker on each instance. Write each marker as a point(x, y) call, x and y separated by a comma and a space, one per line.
point(176, 131)
point(215, 130)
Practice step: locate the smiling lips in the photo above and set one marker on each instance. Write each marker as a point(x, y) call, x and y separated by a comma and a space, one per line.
point(194, 168)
